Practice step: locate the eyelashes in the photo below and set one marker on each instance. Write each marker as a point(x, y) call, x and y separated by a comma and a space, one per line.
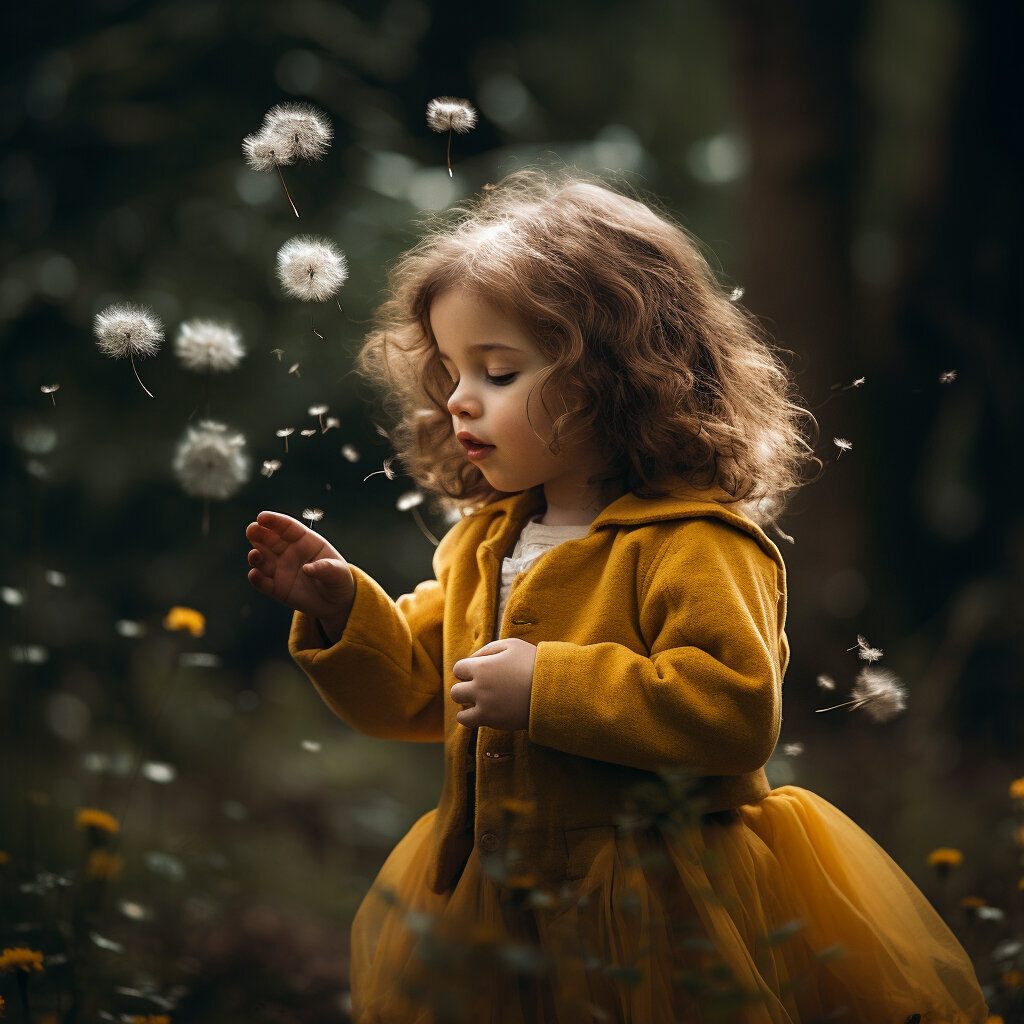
point(501, 379)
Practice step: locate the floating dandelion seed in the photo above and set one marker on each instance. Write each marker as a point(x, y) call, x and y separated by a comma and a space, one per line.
point(782, 535)
point(878, 691)
point(12, 596)
point(55, 578)
point(448, 114)
point(387, 470)
point(49, 389)
point(311, 268)
point(129, 628)
point(826, 682)
point(128, 330)
point(311, 745)
point(205, 346)
point(285, 432)
point(865, 651)
point(290, 132)
point(331, 423)
point(314, 515)
point(308, 431)
point(294, 368)
point(842, 444)
point(211, 464)
point(858, 383)
point(318, 411)
point(736, 294)
point(948, 377)
point(793, 749)
point(270, 467)
point(277, 352)
point(159, 772)
point(350, 453)
point(409, 500)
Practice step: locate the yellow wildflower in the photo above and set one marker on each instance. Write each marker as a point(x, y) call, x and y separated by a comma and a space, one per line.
point(104, 865)
point(180, 618)
point(1011, 979)
point(89, 817)
point(1017, 789)
point(20, 959)
point(944, 857)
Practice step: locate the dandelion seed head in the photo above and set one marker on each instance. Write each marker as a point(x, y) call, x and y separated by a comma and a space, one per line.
point(870, 654)
point(298, 129)
point(270, 467)
point(948, 377)
point(826, 682)
point(308, 431)
point(409, 500)
point(842, 444)
point(350, 453)
point(449, 114)
point(125, 329)
point(318, 410)
point(294, 368)
point(277, 352)
point(879, 692)
point(48, 389)
point(859, 382)
point(736, 294)
point(331, 423)
point(208, 347)
point(210, 462)
point(285, 432)
point(314, 515)
point(311, 268)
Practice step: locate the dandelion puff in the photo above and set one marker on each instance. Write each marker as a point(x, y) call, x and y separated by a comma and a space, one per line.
point(947, 377)
point(318, 411)
point(858, 383)
point(128, 330)
point(331, 423)
point(314, 515)
point(49, 389)
point(448, 114)
point(270, 467)
point(878, 691)
point(285, 432)
point(311, 268)
point(842, 444)
point(736, 294)
point(204, 346)
point(294, 368)
point(826, 682)
point(308, 431)
point(350, 453)
point(263, 153)
point(298, 129)
point(210, 463)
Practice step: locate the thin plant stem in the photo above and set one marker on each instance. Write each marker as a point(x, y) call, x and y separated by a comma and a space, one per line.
point(312, 324)
point(286, 192)
point(843, 705)
point(131, 359)
point(450, 175)
point(424, 529)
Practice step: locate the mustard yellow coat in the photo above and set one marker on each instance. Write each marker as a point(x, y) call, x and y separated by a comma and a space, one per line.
point(660, 644)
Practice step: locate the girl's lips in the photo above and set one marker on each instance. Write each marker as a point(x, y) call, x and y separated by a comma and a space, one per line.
point(475, 450)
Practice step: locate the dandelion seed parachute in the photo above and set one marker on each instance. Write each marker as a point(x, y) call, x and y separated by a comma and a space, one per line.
point(449, 114)
point(310, 268)
point(880, 693)
point(128, 330)
point(205, 346)
point(210, 462)
point(298, 129)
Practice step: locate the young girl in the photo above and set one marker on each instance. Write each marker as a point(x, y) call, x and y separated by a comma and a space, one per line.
point(601, 652)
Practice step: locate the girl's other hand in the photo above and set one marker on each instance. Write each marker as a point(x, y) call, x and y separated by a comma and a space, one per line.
point(297, 567)
point(497, 682)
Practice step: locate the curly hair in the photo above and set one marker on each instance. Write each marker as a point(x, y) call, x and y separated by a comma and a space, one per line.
point(649, 357)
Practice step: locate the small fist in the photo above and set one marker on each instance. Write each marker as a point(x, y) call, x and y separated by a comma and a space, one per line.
point(495, 685)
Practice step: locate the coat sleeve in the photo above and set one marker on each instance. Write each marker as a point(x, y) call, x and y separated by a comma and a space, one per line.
point(706, 696)
point(383, 677)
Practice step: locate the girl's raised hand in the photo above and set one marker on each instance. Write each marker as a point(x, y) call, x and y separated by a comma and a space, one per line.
point(297, 567)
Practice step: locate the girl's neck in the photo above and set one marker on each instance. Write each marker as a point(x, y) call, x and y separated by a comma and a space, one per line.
point(577, 504)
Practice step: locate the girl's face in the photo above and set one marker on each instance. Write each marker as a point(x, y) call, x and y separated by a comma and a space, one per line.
point(497, 411)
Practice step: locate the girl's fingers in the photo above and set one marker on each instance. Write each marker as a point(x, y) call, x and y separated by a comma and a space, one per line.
point(468, 718)
point(462, 693)
point(287, 528)
point(262, 583)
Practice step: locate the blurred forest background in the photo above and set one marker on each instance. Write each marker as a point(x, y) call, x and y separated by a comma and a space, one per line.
point(855, 167)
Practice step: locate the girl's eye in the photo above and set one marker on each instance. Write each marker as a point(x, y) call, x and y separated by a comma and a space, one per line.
point(501, 379)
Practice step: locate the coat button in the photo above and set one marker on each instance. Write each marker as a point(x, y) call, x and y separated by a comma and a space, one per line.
point(489, 842)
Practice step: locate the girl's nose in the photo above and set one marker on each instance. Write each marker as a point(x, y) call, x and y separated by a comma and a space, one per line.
point(463, 402)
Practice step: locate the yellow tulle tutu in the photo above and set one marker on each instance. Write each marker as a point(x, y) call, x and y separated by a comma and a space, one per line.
point(786, 912)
